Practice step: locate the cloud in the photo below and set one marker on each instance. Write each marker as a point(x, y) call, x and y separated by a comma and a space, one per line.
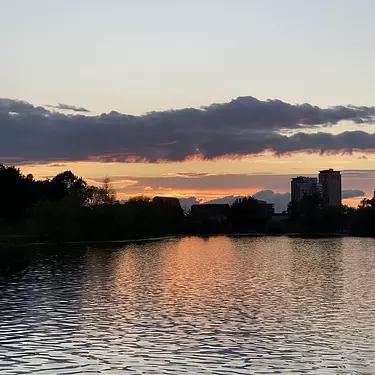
point(10, 106)
point(280, 200)
point(347, 194)
point(243, 126)
point(67, 107)
point(242, 184)
point(186, 203)
point(225, 200)
point(359, 173)
point(224, 185)
point(189, 174)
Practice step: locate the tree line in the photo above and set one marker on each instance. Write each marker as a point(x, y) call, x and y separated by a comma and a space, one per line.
point(66, 207)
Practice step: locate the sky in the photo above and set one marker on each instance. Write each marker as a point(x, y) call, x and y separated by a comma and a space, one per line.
point(204, 98)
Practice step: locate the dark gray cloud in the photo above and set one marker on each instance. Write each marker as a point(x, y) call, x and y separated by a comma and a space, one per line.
point(10, 106)
point(243, 126)
point(67, 107)
point(352, 193)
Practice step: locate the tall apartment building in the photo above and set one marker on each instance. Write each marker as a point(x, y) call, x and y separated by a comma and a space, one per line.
point(331, 183)
point(305, 186)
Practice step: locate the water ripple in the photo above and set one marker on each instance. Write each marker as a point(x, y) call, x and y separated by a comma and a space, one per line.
point(194, 306)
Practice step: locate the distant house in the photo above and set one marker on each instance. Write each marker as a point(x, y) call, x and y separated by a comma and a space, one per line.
point(266, 209)
point(212, 212)
point(168, 201)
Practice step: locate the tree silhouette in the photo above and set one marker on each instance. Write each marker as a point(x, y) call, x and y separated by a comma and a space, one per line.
point(16, 192)
point(103, 195)
point(245, 214)
point(65, 207)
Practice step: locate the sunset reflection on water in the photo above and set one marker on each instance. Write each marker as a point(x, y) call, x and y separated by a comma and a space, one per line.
point(213, 305)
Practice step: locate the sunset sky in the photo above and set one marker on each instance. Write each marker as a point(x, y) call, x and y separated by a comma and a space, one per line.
point(204, 98)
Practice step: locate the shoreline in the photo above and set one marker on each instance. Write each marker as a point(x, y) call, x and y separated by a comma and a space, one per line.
point(8, 244)
point(83, 242)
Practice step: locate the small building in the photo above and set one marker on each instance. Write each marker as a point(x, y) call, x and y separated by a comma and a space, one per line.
point(168, 201)
point(266, 209)
point(209, 218)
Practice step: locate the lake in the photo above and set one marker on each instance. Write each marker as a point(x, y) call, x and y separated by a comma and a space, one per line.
point(267, 305)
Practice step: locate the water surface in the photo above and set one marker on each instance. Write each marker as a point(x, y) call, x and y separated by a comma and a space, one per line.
point(194, 306)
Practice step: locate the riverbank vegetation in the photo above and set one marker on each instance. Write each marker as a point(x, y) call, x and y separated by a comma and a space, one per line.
point(66, 208)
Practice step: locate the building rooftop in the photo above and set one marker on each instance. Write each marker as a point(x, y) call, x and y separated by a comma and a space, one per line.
point(303, 178)
point(330, 170)
point(168, 201)
point(157, 198)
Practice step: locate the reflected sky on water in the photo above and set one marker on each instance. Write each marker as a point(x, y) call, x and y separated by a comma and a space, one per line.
point(268, 305)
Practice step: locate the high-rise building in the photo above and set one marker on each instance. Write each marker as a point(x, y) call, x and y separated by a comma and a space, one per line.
point(305, 186)
point(331, 183)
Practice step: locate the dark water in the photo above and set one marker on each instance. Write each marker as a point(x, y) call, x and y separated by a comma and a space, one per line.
point(194, 306)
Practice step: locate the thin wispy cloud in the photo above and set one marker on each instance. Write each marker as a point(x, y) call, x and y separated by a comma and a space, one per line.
point(243, 126)
point(352, 193)
point(67, 107)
